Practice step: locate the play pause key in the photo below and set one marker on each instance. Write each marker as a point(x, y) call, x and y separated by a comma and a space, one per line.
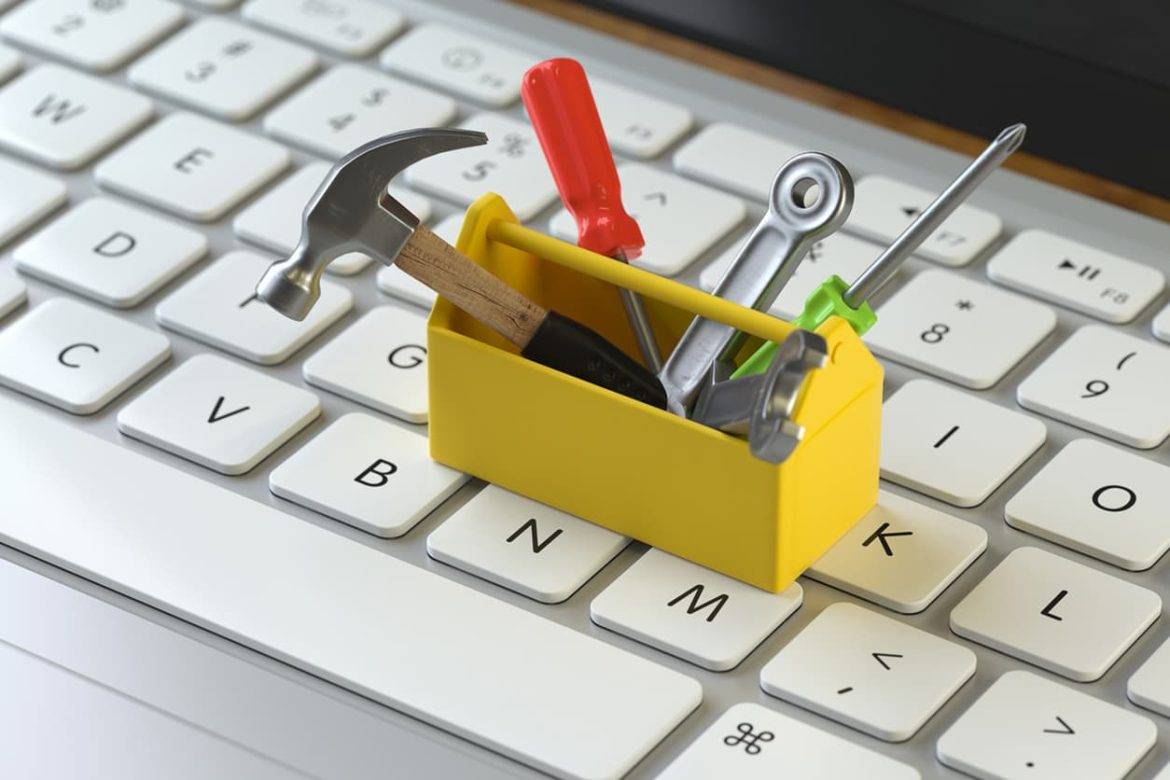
point(1075, 275)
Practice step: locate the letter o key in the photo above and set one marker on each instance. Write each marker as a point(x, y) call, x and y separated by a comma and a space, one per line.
point(408, 360)
point(1130, 498)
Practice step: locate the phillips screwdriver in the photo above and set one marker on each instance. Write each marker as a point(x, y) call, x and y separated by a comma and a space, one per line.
point(850, 301)
point(560, 103)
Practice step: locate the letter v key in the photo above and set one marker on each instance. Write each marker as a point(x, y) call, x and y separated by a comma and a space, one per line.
point(215, 416)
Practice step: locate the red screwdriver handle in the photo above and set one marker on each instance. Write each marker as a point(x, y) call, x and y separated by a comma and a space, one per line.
point(560, 104)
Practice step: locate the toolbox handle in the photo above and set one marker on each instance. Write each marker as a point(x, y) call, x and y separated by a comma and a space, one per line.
point(651, 285)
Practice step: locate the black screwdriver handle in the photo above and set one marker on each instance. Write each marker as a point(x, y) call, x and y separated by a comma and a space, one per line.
point(569, 346)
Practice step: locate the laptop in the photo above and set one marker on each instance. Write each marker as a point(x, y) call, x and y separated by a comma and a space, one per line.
point(226, 552)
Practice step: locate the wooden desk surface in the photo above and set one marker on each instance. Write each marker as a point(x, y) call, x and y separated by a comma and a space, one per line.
point(845, 103)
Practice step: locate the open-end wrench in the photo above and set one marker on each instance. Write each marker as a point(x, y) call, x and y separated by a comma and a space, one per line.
point(762, 406)
point(811, 197)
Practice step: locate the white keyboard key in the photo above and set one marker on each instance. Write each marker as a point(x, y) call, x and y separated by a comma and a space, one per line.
point(379, 361)
point(77, 357)
point(223, 68)
point(1162, 324)
point(98, 36)
point(511, 164)
point(1075, 275)
point(505, 678)
point(219, 414)
point(636, 123)
point(462, 63)
point(839, 254)
point(523, 545)
point(26, 197)
point(694, 613)
point(883, 208)
point(111, 252)
point(963, 331)
point(64, 119)
point(219, 307)
point(1149, 686)
point(868, 671)
point(367, 472)
point(273, 221)
point(901, 555)
point(1062, 616)
point(740, 160)
point(13, 293)
point(952, 445)
point(392, 280)
point(680, 220)
point(1107, 382)
point(1025, 726)
point(352, 27)
point(1099, 500)
point(350, 105)
point(193, 167)
point(751, 742)
point(9, 63)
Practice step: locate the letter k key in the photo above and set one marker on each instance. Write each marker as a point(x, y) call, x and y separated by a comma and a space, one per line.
point(882, 536)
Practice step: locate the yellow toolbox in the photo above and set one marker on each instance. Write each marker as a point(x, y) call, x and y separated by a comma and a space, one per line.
point(674, 484)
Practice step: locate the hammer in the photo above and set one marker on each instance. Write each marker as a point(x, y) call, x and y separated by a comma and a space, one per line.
point(351, 211)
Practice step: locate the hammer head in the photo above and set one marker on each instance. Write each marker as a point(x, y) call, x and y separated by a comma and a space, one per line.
point(352, 212)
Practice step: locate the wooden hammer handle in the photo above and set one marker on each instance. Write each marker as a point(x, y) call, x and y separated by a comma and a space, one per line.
point(445, 270)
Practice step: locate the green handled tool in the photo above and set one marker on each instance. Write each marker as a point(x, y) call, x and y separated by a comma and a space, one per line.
point(850, 301)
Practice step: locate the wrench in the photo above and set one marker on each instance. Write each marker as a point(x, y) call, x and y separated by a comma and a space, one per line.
point(811, 197)
point(762, 405)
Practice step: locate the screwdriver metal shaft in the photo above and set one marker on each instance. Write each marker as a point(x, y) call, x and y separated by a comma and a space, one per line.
point(880, 270)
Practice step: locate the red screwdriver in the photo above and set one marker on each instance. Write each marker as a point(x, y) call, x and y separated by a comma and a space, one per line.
point(564, 115)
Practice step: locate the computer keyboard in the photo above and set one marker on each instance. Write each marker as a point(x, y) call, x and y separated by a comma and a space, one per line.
point(169, 437)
